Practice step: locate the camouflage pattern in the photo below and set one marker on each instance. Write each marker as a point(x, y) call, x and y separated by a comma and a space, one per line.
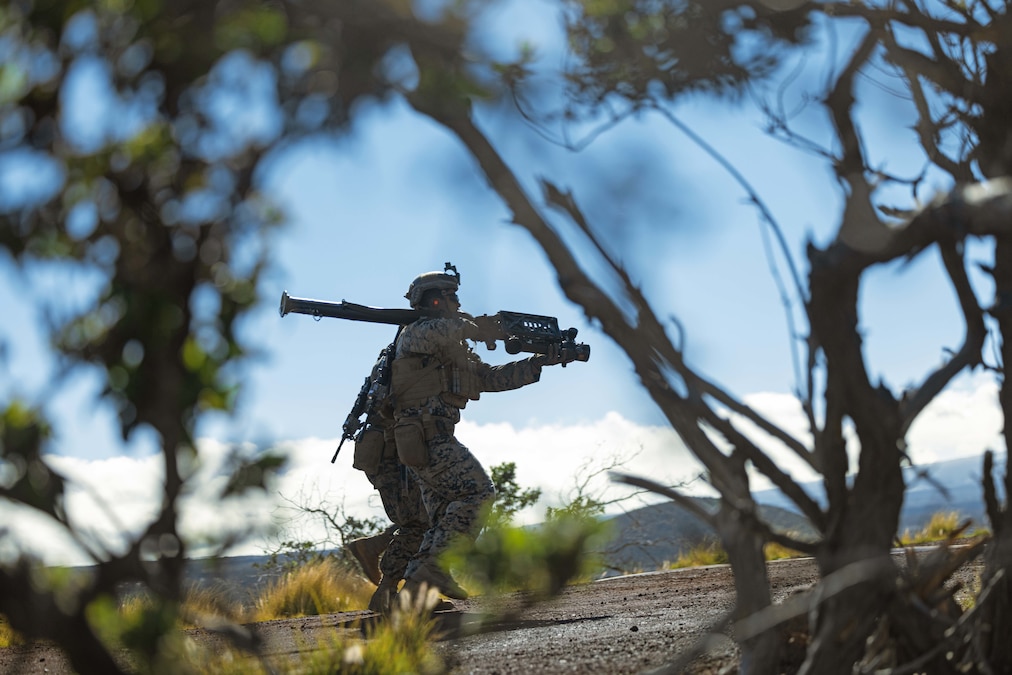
point(399, 493)
point(445, 339)
point(455, 488)
point(454, 485)
point(402, 502)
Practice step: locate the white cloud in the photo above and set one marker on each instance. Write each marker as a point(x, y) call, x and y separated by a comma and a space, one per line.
point(963, 420)
point(109, 496)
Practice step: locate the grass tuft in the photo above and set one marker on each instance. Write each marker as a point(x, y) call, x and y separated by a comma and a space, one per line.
point(939, 527)
point(710, 552)
point(775, 551)
point(399, 645)
point(8, 636)
point(319, 587)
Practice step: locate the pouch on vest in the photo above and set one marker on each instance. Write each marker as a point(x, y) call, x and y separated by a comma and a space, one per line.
point(412, 448)
point(389, 443)
point(369, 450)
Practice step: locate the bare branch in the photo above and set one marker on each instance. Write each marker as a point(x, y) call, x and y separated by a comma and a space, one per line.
point(772, 226)
point(739, 408)
point(687, 503)
point(767, 467)
point(918, 19)
point(693, 507)
point(840, 102)
point(969, 355)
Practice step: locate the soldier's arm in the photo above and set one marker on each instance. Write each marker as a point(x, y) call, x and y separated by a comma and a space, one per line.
point(432, 336)
point(510, 375)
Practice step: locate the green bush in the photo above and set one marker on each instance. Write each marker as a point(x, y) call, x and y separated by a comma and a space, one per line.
point(540, 559)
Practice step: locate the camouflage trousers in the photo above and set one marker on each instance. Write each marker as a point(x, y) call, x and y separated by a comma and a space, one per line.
point(402, 501)
point(454, 488)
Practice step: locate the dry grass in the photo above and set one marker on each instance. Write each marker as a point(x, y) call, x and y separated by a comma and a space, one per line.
point(711, 552)
point(317, 588)
point(775, 551)
point(707, 553)
point(939, 528)
point(8, 636)
point(400, 645)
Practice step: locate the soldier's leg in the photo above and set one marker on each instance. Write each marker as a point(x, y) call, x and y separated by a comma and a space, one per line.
point(402, 501)
point(455, 488)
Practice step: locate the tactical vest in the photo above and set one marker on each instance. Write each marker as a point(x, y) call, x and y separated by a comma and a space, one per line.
point(416, 379)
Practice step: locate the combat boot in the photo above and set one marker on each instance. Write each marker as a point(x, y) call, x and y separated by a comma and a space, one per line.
point(382, 601)
point(431, 574)
point(368, 551)
point(415, 597)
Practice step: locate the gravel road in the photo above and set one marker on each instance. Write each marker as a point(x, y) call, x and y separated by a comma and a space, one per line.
point(628, 624)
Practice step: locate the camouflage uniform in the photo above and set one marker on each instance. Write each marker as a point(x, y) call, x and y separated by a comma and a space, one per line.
point(376, 456)
point(435, 373)
point(402, 502)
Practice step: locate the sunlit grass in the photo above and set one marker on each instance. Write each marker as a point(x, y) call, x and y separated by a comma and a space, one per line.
point(138, 621)
point(774, 551)
point(8, 636)
point(320, 587)
point(148, 633)
point(709, 552)
point(399, 645)
point(940, 527)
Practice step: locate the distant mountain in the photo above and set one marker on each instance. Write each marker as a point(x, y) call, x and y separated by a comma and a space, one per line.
point(952, 485)
point(651, 536)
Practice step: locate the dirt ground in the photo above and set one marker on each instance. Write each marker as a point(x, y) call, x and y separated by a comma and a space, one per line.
point(630, 624)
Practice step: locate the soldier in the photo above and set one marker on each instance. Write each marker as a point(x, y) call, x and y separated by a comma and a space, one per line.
point(435, 373)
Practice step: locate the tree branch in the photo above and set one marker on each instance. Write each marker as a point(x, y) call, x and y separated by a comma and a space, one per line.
point(969, 355)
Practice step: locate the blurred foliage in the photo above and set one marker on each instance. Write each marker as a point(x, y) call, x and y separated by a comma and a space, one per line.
point(541, 559)
point(637, 50)
point(155, 190)
point(146, 126)
point(397, 646)
point(8, 636)
point(25, 478)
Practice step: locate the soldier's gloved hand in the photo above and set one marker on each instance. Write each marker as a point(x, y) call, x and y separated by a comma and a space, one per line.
point(555, 354)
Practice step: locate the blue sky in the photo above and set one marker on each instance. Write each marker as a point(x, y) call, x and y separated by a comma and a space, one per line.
point(397, 196)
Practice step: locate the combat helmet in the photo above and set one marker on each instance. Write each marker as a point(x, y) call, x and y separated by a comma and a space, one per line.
point(447, 280)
